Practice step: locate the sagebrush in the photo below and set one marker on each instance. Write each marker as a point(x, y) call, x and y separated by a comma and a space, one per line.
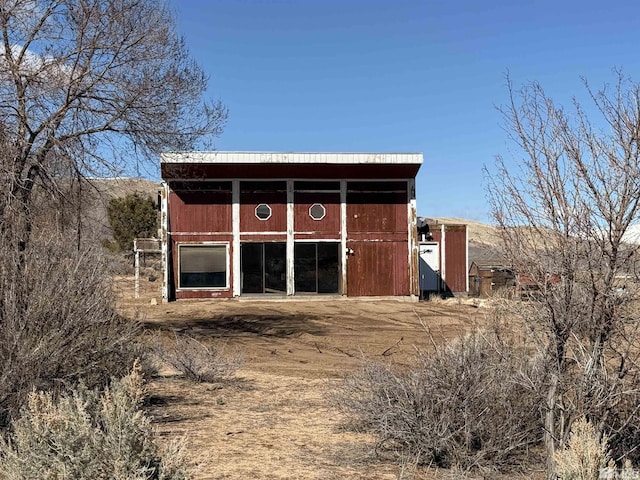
point(585, 455)
point(85, 434)
point(467, 405)
point(58, 323)
point(195, 360)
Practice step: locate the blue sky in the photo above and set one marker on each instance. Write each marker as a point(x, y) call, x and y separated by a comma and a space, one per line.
point(400, 76)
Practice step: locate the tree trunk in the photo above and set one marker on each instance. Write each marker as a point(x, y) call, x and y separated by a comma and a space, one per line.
point(549, 426)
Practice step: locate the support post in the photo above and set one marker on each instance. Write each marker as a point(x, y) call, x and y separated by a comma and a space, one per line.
point(343, 237)
point(137, 270)
point(290, 238)
point(443, 257)
point(235, 242)
point(164, 240)
point(414, 277)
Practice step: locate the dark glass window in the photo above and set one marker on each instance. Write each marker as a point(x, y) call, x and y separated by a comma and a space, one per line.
point(317, 211)
point(203, 266)
point(264, 267)
point(263, 211)
point(317, 267)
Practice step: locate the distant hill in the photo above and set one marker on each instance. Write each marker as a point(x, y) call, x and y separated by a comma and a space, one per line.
point(121, 187)
point(478, 232)
point(484, 239)
point(104, 189)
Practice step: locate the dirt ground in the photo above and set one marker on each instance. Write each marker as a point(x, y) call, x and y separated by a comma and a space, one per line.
point(276, 421)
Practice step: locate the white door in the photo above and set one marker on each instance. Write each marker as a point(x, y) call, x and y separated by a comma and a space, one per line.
point(429, 266)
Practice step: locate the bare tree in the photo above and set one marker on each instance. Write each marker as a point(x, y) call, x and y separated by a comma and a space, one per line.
point(566, 216)
point(58, 323)
point(88, 87)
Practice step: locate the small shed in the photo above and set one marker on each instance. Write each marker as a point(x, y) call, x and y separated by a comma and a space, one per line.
point(488, 277)
point(443, 254)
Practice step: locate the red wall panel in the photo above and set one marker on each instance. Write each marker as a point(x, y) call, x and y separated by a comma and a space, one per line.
point(378, 268)
point(278, 220)
point(456, 257)
point(302, 220)
point(257, 237)
point(373, 236)
point(317, 236)
point(193, 211)
point(376, 212)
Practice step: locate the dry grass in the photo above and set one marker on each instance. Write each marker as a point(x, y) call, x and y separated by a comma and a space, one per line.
point(276, 421)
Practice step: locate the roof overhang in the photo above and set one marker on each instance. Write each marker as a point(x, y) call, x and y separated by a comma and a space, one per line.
point(316, 165)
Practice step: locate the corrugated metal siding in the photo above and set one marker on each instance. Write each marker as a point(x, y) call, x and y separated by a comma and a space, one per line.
point(302, 220)
point(378, 236)
point(456, 257)
point(453, 255)
point(376, 212)
point(378, 269)
point(318, 236)
point(278, 220)
point(263, 237)
point(200, 211)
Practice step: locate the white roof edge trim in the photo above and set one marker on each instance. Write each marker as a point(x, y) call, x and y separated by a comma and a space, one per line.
point(293, 157)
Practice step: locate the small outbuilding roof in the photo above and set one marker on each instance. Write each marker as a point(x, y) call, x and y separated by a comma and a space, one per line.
point(490, 265)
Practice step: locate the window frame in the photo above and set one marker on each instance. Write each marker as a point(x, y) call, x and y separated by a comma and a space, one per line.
point(200, 245)
point(263, 205)
point(324, 211)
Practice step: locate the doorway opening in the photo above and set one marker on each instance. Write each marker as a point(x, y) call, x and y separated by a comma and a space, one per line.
point(429, 267)
point(317, 267)
point(263, 267)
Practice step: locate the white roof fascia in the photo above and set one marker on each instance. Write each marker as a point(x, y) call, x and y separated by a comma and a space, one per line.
point(293, 157)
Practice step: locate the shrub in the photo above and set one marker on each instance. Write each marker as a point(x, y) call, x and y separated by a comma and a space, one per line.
point(463, 406)
point(585, 454)
point(198, 362)
point(58, 324)
point(131, 217)
point(87, 435)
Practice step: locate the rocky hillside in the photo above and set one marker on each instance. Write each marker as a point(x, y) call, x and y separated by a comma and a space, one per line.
point(484, 239)
point(96, 198)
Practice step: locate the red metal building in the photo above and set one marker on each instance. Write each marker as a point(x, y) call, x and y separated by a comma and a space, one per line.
point(240, 223)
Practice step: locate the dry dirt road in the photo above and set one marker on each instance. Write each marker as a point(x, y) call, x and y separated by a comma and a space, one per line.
point(276, 421)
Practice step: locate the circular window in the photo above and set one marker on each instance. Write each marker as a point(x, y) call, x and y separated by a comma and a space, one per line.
point(263, 211)
point(317, 211)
